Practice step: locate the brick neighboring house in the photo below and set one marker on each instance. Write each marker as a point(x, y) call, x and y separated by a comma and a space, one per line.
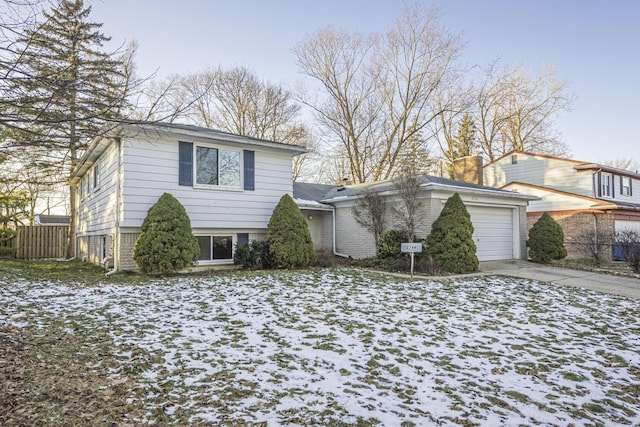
point(584, 198)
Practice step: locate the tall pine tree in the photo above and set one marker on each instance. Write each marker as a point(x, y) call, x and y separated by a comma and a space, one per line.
point(72, 87)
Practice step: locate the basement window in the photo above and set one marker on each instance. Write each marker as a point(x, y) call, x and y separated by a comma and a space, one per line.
point(215, 248)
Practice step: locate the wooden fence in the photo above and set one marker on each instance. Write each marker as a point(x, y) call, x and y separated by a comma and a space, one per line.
point(40, 242)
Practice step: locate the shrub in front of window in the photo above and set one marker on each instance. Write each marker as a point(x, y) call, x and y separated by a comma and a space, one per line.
point(630, 242)
point(288, 236)
point(450, 243)
point(253, 256)
point(166, 244)
point(389, 244)
point(546, 240)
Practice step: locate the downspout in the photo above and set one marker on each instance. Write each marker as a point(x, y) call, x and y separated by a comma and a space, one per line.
point(116, 239)
point(333, 211)
point(595, 230)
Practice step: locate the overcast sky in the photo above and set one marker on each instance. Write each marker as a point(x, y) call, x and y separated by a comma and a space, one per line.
point(595, 45)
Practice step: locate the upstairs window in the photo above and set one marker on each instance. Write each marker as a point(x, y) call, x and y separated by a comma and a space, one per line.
point(625, 186)
point(605, 185)
point(215, 166)
point(96, 177)
point(209, 166)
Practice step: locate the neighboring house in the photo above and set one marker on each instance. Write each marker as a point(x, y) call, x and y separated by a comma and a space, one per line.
point(229, 185)
point(51, 220)
point(498, 217)
point(584, 198)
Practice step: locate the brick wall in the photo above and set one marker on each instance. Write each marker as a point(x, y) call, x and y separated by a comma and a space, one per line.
point(575, 225)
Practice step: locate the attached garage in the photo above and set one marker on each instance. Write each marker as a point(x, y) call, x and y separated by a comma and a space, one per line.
point(494, 232)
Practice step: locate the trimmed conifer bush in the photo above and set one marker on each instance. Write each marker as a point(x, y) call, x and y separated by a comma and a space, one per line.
point(546, 240)
point(288, 236)
point(451, 240)
point(166, 244)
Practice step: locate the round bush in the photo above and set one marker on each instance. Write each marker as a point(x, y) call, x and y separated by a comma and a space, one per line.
point(288, 236)
point(451, 240)
point(546, 240)
point(389, 244)
point(166, 244)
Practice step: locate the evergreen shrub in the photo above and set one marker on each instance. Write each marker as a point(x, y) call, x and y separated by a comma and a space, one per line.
point(288, 236)
point(450, 243)
point(166, 244)
point(546, 240)
point(389, 244)
point(255, 255)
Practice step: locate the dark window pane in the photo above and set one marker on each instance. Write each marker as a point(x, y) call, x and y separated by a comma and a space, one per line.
point(185, 171)
point(207, 165)
point(222, 247)
point(205, 248)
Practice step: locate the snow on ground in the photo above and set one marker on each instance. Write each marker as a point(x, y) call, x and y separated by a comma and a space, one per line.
point(330, 346)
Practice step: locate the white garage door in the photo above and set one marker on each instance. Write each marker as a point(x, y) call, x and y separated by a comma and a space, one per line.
point(622, 225)
point(493, 232)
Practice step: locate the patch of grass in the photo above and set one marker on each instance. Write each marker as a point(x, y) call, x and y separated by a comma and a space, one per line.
point(313, 348)
point(65, 271)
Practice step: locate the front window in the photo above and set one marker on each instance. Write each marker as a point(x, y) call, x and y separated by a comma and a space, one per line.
point(605, 185)
point(215, 248)
point(216, 166)
point(625, 187)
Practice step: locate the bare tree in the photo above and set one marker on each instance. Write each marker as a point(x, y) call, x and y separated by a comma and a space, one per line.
point(237, 101)
point(624, 163)
point(515, 110)
point(630, 241)
point(369, 211)
point(379, 90)
point(408, 212)
point(594, 244)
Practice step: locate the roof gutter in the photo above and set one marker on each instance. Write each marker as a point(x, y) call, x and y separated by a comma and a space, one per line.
point(613, 206)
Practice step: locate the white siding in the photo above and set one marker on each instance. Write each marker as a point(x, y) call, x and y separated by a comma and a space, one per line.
point(151, 168)
point(635, 191)
point(541, 171)
point(97, 209)
point(551, 201)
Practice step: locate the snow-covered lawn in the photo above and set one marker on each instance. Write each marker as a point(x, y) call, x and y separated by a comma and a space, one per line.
point(346, 347)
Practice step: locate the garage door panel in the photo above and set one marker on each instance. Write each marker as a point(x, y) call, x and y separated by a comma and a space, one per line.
point(623, 225)
point(493, 232)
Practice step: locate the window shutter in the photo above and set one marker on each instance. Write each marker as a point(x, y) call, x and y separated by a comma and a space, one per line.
point(249, 170)
point(185, 169)
point(621, 183)
point(631, 186)
point(613, 186)
point(242, 239)
point(599, 184)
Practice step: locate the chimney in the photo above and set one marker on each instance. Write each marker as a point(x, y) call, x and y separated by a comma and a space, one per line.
point(468, 169)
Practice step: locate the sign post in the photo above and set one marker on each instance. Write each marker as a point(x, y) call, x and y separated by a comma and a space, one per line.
point(411, 248)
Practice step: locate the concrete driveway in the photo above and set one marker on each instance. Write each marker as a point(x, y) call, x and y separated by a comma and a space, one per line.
point(616, 285)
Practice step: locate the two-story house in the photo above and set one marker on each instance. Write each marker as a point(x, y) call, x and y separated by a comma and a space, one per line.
point(584, 198)
point(228, 184)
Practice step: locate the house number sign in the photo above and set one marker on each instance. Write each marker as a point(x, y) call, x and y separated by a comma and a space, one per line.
point(411, 248)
